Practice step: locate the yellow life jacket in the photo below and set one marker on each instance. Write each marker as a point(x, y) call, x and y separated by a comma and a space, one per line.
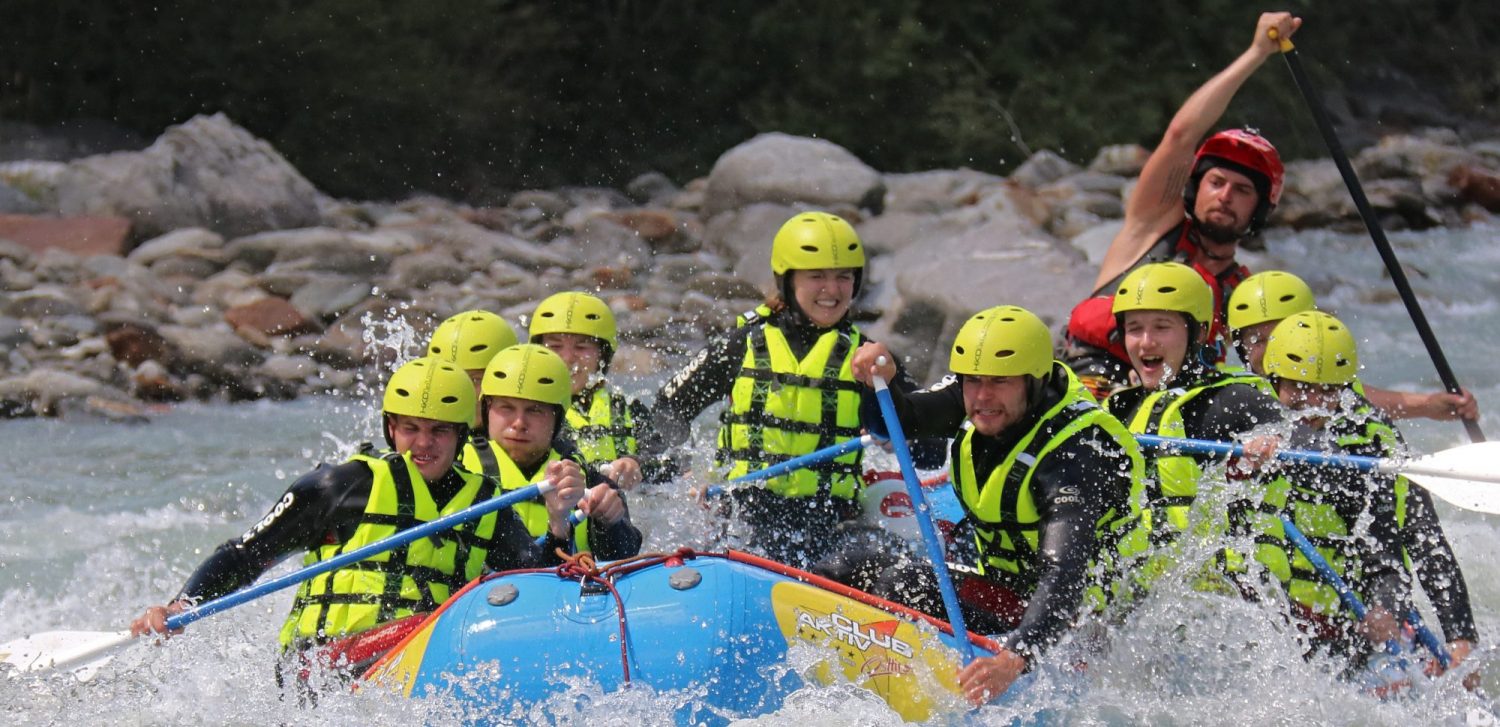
point(484, 455)
point(1006, 521)
point(603, 427)
point(782, 408)
point(405, 580)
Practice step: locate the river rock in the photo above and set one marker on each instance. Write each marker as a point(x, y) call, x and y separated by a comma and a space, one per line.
point(744, 236)
point(1125, 160)
point(1042, 168)
point(39, 391)
point(269, 316)
point(651, 188)
point(43, 302)
point(477, 246)
point(205, 349)
point(14, 201)
point(326, 297)
point(791, 170)
point(82, 235)
point(934, 191)
point(207, 172)
point(187, 242)
point(1005, 260)
point(135, 342)
point(13, 278)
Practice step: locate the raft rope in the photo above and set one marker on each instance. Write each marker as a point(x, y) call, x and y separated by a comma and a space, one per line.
point(583, 568)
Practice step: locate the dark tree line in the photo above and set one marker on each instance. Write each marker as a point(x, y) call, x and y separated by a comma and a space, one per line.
point(471, 98)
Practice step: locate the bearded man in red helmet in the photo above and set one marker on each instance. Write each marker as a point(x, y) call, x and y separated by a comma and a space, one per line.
point(1189, 206)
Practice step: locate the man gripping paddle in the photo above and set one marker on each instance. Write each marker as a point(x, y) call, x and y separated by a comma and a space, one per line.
point(428, 407)
point(1192, 204)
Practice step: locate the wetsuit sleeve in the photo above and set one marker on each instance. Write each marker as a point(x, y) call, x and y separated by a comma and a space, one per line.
point(1436, 567)
point(708, 378)
point(656, 464)
point(317, 506)
point(1074, 487)
point(934, 412)
point(1228, 411)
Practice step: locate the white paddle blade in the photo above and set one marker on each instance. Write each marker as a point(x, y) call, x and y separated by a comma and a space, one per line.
point(80, 652)
point(1465, 476)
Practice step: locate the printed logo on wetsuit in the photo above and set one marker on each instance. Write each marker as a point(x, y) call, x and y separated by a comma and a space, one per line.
point(265, 522)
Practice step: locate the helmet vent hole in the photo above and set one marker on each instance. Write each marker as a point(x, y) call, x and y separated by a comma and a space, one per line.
point(501, 375)
point(479, 347)
point(546, 314)
point(1295, 357)
point(809, 248)
point(1007, 353)
point(450, 400)
point(403, 392)
point(1167, 289)
point(592, 316)
point(547, 380)
point(960, 350)
point(1285, 298)
point(1008, 319)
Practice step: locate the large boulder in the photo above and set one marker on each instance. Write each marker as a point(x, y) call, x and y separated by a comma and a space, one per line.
point(791, 170)
point(206, 173)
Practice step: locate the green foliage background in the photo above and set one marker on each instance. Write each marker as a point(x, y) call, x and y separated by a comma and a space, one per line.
point(473, 98)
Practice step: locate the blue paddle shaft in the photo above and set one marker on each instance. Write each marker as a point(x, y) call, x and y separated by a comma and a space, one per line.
point(1204, 446)
point(446, 522)
point(1351, 601)
point(924, 519)
point(832, 451)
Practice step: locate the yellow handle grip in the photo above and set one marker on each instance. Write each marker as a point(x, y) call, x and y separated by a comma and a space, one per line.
point(1286, 43)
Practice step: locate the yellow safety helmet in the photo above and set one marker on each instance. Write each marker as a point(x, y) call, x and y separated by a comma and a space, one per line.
point(528, 371)
point(1312, 347)
point(1005, 340)
point(431, 389)
point(574, 313)
point(1166, 286)
point(816, 241)
point(1268, 296)
point(470, 339)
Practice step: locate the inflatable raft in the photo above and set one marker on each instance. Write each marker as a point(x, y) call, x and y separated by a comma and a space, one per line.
point(738, 631)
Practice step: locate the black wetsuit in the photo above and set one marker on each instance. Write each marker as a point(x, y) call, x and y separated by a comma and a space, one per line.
point(325, 505)
point(1219, 414)
point(792, 530)
point(1073, 487)
point(1432, 559)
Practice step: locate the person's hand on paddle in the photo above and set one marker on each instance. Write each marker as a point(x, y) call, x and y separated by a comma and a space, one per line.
point(870, 360)
point(987, 677)
point(1443, 406)
point(1258, 452)
point(1379, 625)
point(1458, 650)
point(154, 620)
point(567, 490)
point(1285, 24)
point(603, 503)
point(625, 472)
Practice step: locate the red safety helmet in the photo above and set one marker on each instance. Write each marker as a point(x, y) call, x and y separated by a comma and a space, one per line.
point(1246, 152)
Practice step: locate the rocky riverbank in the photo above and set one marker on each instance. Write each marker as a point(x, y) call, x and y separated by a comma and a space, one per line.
point(206, 267)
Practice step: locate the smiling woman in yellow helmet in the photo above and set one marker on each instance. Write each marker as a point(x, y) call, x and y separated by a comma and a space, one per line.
point(1364, 523)
point(785, 372)
point(427, 407)
point(1264, 299)
point(1164, 310)
point(1045, 477)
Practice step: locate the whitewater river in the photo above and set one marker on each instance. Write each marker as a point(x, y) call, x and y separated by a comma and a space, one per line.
point(99, 520)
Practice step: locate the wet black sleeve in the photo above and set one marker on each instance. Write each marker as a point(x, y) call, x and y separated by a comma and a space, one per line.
point(657, 465)
point(318, 506)
point(513, 546)
point(927, 452)
point(1074, 487)
point(708, 378)
point(1436, 567)
point(937, 411)
point(1223, 413)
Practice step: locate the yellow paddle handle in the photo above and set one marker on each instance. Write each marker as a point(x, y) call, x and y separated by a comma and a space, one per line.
point(1286, 43)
